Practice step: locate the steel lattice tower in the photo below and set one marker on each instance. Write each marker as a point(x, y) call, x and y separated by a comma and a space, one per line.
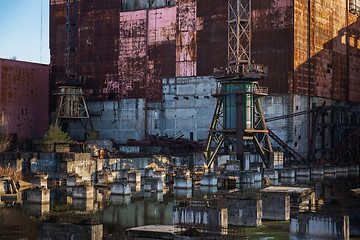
point(238, 119)
point(71, 103)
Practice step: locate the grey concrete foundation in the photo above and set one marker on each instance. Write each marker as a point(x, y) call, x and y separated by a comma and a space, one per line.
point(315, 226)
point(244, 212)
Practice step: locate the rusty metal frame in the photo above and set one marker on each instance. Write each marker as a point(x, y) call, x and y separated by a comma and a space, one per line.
point(259, 135)
point(239, 34)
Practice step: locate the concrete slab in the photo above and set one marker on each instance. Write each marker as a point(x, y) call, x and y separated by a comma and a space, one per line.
point(152, 231)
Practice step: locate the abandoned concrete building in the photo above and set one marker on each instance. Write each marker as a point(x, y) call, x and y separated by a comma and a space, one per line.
point(149, 69)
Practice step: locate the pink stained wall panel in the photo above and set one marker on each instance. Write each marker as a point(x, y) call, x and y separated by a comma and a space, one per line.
point(24, 98)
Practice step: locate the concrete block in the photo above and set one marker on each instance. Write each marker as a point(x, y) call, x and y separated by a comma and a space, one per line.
point(134, 177)
point(82, 204)
point(208, 179)
point(317, 171)
point(182, 193)
point(276, 206)
point(38, 195)
point(153, 184)
point(317, 226)
point(49, 230)
point(329, 170)
point(120, 188)
point(216, 218)
point(303, 172)
point(182, 183)
point(272, 174)
point(244, 212)
point(73, 181)
point(83, 192)
point(287, 173)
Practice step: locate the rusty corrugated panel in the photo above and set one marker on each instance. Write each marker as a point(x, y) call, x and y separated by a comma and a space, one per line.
point(211, 35)
point(186, 39)
point(272, 37)
point(24, 97)
point(332, 74)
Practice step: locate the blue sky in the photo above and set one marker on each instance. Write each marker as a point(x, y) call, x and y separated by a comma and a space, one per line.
point(20, 30)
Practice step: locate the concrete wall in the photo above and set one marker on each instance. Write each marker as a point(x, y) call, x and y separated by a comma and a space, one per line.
point(188, 108)
point(58, 231)
point(244, 212)
point(295, 131)
point(318, 227)
point(117, 120)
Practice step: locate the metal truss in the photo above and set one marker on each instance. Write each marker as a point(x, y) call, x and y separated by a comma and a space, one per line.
point(239, 34)
point(259, 135)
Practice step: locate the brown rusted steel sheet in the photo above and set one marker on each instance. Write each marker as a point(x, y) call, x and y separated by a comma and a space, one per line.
point(333, 66)
point(272, 41)
point(126, 54)
point(24, 98)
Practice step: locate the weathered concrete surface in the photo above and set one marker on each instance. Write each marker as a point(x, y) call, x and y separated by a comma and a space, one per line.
point(318, 226)
point(276, 201)
point(38, 195)
point(215, 218)
point(58, 231)
point(120, 188)
point(83, 192)
point(152, 231)
point(244, 212)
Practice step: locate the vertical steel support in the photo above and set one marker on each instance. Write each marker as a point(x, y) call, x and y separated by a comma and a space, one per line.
point(239, 34)
point(240, 129)
point(71, 103)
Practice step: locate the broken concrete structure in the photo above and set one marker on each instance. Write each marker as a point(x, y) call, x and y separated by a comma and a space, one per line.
point(318, 226)
point(38, 195)
point(276, 201)
point(208, 218)
point(244, 211)
point(162, 84)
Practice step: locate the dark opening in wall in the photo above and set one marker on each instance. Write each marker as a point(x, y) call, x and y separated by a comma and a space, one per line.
point(111, 96)
point(191, 136)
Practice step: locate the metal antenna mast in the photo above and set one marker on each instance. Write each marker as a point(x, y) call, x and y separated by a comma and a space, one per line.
point(238, 120)
point(71, 103)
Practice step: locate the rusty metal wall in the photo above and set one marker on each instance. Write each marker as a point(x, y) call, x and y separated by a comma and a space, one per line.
point(272, 42)
point(24, 98)
point(334, 58)
point(126, 54)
